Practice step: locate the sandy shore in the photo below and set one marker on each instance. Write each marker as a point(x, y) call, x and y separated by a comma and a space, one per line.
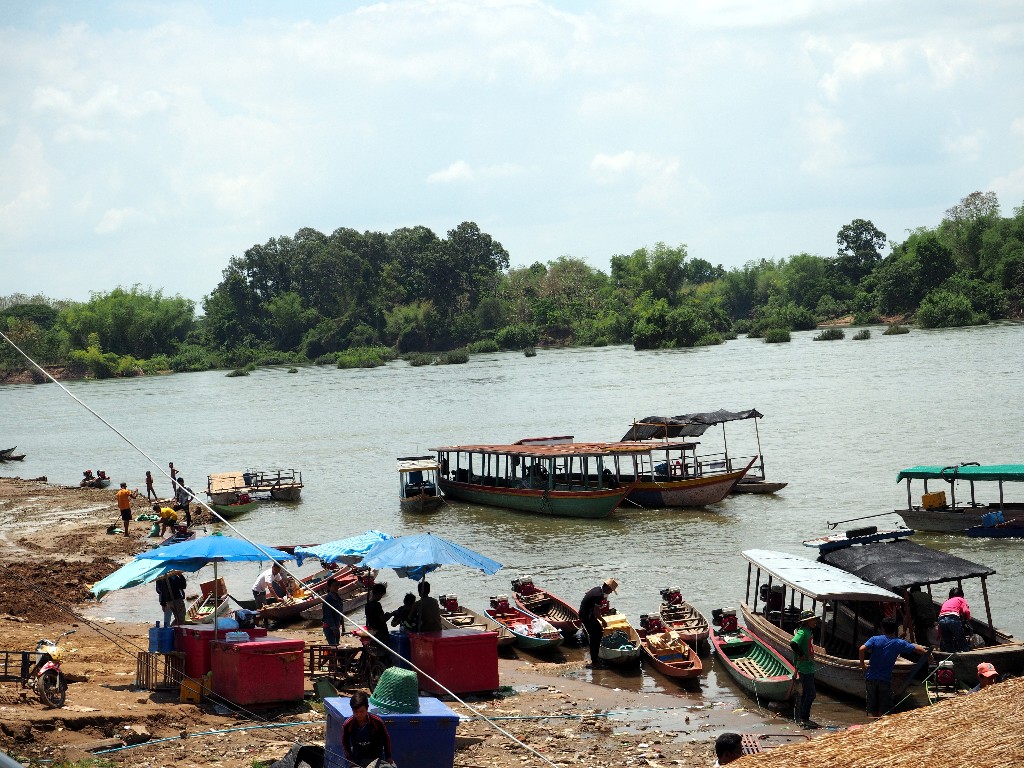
point(53, 545)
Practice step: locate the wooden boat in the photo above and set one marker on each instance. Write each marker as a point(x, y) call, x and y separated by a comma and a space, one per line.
point(355, 588)
point(5, 452)
point(681, 617)
point(695, 425)
point(180, 534)
point(563, 479)
point(276, 484)
point(856, 536)
point(936, 512)
point(760, 670)
point(779, 585)
point(19, 457)
point(666, 650)
point(626, 653)
point(1007, 529)
point(656, 489)
point(418, 490)
point(899, 565)
point(531, 632)
point(240, 506)
point(540, 602)
point(456, 616)
point(212, 602)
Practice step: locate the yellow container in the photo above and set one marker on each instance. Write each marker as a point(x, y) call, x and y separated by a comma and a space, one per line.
point(191, 691)
point(935, 500)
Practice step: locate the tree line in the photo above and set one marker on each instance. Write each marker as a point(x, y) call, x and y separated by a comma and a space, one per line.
point(318, 297)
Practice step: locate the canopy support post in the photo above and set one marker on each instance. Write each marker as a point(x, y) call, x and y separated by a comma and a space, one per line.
point(988, 607)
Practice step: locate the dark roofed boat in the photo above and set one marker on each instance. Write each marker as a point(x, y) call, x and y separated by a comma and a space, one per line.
point(899, 565)
point(936, 512)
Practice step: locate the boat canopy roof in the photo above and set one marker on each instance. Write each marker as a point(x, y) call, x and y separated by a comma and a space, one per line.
point(818, 581)
point(994, 472)
point(417, 464)
point(902, 564)
point(687, 425)
point(553, 451)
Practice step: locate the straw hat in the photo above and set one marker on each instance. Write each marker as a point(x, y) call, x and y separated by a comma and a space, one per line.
point(612, 584)
point(806, 616)
point(398, 690)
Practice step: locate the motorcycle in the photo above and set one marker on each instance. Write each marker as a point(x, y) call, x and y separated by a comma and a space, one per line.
point(45, 678)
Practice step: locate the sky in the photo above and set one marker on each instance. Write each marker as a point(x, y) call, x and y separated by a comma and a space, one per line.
point(146, 143)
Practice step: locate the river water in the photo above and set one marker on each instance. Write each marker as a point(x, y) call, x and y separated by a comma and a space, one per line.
point(841, 419)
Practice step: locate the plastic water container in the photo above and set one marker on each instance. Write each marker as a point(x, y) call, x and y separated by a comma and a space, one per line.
point(161, 639)
point(236, 637)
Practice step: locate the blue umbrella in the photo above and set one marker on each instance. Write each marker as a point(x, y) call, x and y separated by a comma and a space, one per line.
point(215, 549)
point(349, 551)
point(138, 572)
point(413, 557)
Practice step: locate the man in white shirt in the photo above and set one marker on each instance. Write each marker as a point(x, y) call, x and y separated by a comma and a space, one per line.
point(272, 578)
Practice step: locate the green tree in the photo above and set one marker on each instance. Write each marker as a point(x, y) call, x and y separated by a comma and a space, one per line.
point(859, 243)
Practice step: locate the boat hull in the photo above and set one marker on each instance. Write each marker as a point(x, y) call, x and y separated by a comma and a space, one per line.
point(678, 661)
point(758, 486)
point(687, 621)
point(583, 504)
point(760, 670)
point(620, 657)
point(553, 609)
point(421, 503)
point(286, 493)
point(835, 672)
point(691, 492)
point(520, 623)
point(464, 618)
point(229, 511)
point(942, 520)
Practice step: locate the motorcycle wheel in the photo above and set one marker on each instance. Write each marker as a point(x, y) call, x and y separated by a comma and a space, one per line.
point(52, 688)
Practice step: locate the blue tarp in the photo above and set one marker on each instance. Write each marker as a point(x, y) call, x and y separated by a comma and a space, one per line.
point(141, 572)
point(349, 551)
point(413, 557)
point(221, 549)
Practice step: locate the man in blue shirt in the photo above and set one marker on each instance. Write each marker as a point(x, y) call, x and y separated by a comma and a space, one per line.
point(885, 649)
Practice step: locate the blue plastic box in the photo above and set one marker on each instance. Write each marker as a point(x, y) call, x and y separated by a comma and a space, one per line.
point(161, 639)
point(425, 739)
point(399, 643)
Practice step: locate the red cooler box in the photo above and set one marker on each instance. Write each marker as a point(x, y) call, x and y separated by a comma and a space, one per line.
point(424, 739)
point(465, 660)
point(194, 641)
point(262, 670)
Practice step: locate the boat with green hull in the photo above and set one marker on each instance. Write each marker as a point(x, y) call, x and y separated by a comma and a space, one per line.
point(547, 476)
point(759, 669)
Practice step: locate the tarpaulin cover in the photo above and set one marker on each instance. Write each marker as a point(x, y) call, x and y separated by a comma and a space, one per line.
point(215, 548)
point(141, 572)
point(1013, 473)
point(901, 564)
point(349, 550)
point(413, 557)
point(687, 425)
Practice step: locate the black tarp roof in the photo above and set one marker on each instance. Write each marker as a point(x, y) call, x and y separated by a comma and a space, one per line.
point(687, 425)
point(901, 564)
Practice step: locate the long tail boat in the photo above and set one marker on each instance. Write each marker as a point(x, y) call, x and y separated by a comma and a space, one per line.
point(531, 632)
point(540, 602)
point(355, 586)
point(417, 484)
point(456, 616)
point(759, 669)
point(937, 512)
point(680, 616)
point(624, 653)
point(666, 651)
point(547, 476)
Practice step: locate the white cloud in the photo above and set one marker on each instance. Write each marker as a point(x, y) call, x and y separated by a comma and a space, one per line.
point(116, 219)
point(966, 146)
point(824, 134)
point(461, 171)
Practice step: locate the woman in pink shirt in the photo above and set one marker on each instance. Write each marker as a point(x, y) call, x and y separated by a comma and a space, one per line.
point(953, 614)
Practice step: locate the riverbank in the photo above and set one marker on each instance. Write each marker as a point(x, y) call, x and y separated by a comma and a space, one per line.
point(53, 546)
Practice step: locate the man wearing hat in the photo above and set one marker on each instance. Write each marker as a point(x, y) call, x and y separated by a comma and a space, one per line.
point(987, 675)
point(803, 659)
point(593, 621)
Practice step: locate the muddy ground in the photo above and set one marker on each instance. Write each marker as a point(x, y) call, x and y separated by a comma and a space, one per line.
point(53, 545)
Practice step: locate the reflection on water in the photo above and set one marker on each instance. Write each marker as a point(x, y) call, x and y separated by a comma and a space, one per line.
point(841, 418)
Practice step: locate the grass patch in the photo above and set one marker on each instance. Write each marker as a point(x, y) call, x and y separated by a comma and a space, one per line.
point(830, 334)
point(862, 334)
point(416, 359)
point(455, 357)
point(243, 371)
point(776, 335)
point(484, 345)
point(530, 352)
point(365, 357)
point(895, 330)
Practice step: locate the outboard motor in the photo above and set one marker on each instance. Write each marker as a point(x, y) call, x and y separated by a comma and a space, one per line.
point(651, 623)
point(716, 616)
point(605, 608)
point(449, 603)
point(945, 674)
point(500, 603)
point(672, 595)
point(524, 585)
point(728, 622)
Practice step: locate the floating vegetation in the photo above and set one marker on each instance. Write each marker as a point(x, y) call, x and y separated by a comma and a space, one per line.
point(530, 352)
point(419, 358)
point(776, 335)
point(243, 371)
point(455, 357)
point(365, 357)
point(293, 370)
point(895, 330)
point(862, 334)
point(830, 334)
point(484, 345)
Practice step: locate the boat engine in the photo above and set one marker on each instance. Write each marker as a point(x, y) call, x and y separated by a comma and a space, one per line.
point(652, 623)
point(604, 608)
point(500, 603)
point(672, 595)
point(449, 603)
point(524, 585)
point(725, 619)
point(945, 675)
point(365, 577)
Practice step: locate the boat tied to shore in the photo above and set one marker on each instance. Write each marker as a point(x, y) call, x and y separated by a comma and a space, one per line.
point(548, 476)
point(666, 650)
point(760, 670)
point(277, 484)
point(849, 611)
point(682, 617)
point(454, 615)
point(547, 605)
point(936, 512)
point(418, 489)
point(531, 632)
